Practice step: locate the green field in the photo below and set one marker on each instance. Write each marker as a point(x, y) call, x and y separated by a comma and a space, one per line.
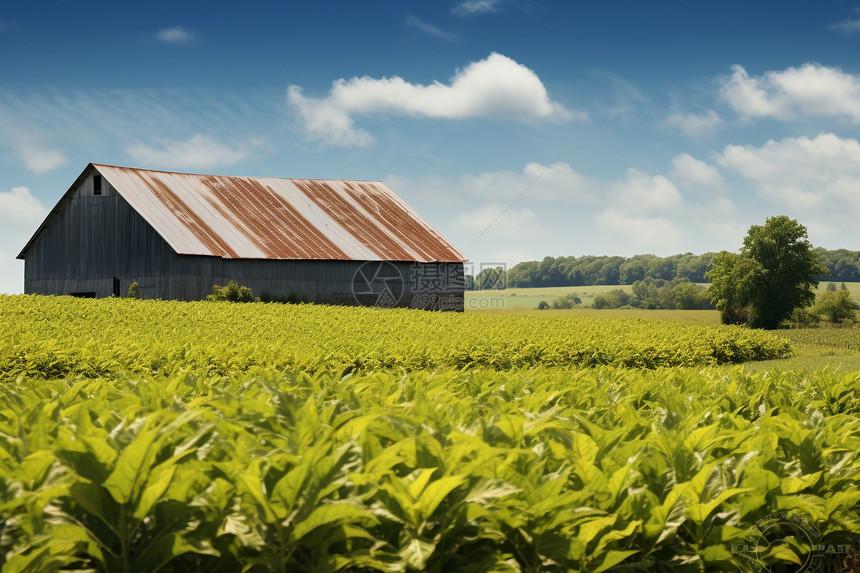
point(529, 298)
point(162, 436)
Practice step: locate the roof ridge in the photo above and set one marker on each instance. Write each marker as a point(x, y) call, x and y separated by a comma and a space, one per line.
point(236, 176)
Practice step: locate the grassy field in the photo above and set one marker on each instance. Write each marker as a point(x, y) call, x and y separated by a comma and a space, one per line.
point(529, 298)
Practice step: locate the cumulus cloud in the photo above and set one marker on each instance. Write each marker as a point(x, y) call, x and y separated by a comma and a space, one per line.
point(475, 7)
point(20, 206)
point(691, 172)
point(175, 35)
point(810, 90)
point(428, 28)
point(802, 173)
point(198, 152)
point(643, 193)
point(694, 125)
point(496, 87)
point(20, 214)
point(40, 160)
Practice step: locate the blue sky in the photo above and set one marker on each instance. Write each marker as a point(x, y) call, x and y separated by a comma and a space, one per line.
point(518, 129)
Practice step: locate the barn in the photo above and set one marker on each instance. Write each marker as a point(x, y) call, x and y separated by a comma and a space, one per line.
point(177, 234)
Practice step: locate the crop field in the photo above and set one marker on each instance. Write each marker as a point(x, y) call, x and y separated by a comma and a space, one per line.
point(45, 336)
point(153, 436)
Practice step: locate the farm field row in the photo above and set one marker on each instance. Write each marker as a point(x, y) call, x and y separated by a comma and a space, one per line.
point(527, 470)
point(529, 298)
point(58, 336)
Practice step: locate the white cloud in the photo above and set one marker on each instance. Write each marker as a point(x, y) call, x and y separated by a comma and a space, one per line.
point(496, 87)
point(20, 206)
point(692, 173)
point(175, 35)
point(642, 193)
point(810, 90)
point(39, 160)
point(415, 22)
point(198, 152)
point(847, 26)
point(546, 183)
point(494, 221)
point(694, 125)
point(20, 214)
point(648, 234)
point(801, 173)
point(474, 7)
point(47, 126)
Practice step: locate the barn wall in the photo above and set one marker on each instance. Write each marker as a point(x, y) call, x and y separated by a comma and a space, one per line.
point(100, 244)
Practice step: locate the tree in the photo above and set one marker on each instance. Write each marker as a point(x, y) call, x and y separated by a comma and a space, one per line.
point(773, 275)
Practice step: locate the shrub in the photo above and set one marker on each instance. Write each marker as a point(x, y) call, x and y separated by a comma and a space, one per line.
point(613, 299)
point(233, 292)
point(835, 306)
point(567, 301)
point(133, 291)
point(543, 305)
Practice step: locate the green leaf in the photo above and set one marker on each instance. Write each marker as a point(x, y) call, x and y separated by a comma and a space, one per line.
point(794, 484)
point(133, 465)
point(698, 512)
point(437, 491)
point(612, 558)
point(416, 552)
point(333, 513)
point(153, 491)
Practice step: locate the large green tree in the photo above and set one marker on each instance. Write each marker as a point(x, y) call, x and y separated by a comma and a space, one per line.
point(773, 274)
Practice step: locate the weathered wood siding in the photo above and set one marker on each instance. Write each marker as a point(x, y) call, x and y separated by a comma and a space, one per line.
point(100, 244)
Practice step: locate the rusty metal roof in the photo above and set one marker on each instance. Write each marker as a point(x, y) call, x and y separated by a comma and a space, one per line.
point(269, 218)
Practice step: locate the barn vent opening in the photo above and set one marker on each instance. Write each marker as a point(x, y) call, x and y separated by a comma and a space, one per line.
point(97, 184)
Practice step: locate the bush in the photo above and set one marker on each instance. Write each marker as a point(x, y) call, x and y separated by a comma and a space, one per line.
point(544, 305)
point(803, 318)
point(233, 292)
point(133, 291)
point(567, 301)
point(613, 299)
point(835, 306)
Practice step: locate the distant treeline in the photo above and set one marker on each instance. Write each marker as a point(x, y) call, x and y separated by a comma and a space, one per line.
point(844, 266)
